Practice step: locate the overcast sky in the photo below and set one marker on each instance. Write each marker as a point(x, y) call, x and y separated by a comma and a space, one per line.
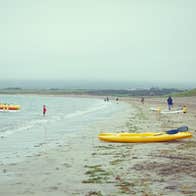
point(136, 40)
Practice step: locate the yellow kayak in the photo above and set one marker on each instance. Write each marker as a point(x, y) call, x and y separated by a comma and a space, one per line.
point(143, 137)
point(9, 107)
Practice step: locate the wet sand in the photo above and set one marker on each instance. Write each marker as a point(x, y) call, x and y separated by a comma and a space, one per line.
point(83, 165)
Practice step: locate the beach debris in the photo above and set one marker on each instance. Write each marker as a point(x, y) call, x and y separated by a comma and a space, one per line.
point(94, 193)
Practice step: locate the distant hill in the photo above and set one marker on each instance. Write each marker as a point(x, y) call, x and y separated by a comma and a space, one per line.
point(99, 92)
point(187, 93)
point(135, 92)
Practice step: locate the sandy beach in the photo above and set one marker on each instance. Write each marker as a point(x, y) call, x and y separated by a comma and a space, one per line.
point(83, 165)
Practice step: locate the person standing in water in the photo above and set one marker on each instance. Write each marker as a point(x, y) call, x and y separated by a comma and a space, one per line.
point(44, 110)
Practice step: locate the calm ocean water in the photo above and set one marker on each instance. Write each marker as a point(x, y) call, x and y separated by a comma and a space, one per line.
point(22, 131)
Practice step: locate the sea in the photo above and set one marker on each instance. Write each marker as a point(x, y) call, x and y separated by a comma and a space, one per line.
point(23, 132)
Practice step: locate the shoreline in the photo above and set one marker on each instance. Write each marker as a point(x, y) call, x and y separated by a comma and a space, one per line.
point(86, 166)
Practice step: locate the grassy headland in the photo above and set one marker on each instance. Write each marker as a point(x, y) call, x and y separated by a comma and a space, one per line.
point(95, 92)
point(187, 93)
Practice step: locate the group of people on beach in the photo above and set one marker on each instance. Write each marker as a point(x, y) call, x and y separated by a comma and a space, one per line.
point(106, 99)
point(169, 103)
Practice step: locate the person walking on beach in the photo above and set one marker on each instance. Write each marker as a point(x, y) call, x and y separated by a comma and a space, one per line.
point(44, 110)
point(142, 100)
point(169, 102)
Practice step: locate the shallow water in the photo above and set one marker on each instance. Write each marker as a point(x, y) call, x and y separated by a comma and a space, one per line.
point(22, 133)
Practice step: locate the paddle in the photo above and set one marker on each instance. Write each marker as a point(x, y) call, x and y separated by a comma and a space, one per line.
point(180, 129)
point(183, 128)
point(174, 131)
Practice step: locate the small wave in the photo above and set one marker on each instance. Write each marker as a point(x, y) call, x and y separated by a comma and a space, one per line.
point(10, 132)
point(83, 112)
point(14, 128)
point(6, 131)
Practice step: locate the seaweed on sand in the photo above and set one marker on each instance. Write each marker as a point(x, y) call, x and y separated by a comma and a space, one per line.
point(116, 161)
point(94, 193)
point(97, 174)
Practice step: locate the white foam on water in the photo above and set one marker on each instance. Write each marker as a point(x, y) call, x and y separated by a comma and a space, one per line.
point(23, 127)
point(20, 132)
point(84, 112)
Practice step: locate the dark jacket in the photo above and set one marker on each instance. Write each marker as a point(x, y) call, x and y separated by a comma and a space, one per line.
point(170, 101)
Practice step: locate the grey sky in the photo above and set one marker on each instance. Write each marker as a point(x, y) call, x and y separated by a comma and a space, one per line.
point(148, 40)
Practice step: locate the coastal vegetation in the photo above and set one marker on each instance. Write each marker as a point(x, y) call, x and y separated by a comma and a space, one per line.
point(96, 92)
point(186, 93)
